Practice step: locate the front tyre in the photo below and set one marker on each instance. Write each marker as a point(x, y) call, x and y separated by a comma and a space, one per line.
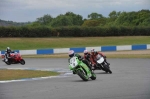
point(93, 77)
point(82, 75)
point(22, 62)
point(107, 69)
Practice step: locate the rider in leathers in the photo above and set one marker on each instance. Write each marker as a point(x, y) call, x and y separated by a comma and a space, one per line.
point(93, 55)
point(7, 53)
point(71, 54)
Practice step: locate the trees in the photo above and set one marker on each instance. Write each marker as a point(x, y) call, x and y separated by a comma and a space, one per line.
point(91, 23)
point(140, 18)
point(134, 18)
point(68, 19)
point(95, 19)
point(76, 18)
point(94, 16)
point(45, 20)
point(61, 20)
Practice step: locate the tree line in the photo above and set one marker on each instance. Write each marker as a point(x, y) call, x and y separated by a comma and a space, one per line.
point(139, 18)
point(11, 23)
point(134, 18)
point(73, 25)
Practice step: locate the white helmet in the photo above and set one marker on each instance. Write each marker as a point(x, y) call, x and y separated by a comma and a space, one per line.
point(85, 51)
point(71, 53)
point(8, 48)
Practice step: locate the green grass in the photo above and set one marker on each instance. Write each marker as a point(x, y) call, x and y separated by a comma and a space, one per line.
point(43, 43)
point(22, 74)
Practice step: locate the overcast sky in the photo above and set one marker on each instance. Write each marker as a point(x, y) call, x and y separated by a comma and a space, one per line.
point(30, 10)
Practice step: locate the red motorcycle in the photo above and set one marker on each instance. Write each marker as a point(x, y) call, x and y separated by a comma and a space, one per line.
point(14, 58)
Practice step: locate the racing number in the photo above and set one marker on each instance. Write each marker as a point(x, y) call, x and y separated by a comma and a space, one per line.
point(72, 62)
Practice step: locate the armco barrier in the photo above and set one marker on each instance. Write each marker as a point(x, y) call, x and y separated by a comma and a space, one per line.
point(81, 49)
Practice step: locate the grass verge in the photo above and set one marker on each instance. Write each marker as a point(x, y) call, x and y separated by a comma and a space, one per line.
point(9, 74)
point(67, 42)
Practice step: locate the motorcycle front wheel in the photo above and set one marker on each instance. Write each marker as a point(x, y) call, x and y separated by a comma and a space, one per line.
point(82, 75)
point(93, 77)
point(22, 61)
point(107, 69)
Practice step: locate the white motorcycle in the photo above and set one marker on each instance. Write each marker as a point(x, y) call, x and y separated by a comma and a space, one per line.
point(102, 64)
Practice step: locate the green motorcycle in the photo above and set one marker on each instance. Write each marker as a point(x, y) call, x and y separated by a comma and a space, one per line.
point(81, 69)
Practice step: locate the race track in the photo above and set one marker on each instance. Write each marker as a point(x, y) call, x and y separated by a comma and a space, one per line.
point(130, 80)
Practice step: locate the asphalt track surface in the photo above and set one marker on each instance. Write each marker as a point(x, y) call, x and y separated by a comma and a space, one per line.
point(130, 80)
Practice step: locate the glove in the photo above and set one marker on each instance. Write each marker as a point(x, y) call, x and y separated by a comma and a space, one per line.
point(80, 58)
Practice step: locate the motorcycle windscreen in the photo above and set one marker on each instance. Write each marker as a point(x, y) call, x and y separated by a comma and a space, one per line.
point(101, 60)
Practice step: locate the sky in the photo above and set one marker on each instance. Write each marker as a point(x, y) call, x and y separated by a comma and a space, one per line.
point(30, 10)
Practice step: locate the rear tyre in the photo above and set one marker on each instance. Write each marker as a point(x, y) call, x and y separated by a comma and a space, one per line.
point(82, 75)
point(22, 62)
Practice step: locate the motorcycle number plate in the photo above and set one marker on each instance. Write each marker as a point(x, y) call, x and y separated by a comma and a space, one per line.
point(73, 62)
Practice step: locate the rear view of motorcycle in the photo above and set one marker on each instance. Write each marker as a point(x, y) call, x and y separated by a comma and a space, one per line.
point(14, 58)
point(102, 64)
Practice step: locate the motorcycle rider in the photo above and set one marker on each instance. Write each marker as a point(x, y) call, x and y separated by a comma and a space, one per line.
point(72, 53)
point(7, 53)
point(88, 57)
point(93, 55)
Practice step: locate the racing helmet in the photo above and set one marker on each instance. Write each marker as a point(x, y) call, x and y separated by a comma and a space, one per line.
point(8, 49)
point(71, 53)
point(85, 52)
point(93, 52)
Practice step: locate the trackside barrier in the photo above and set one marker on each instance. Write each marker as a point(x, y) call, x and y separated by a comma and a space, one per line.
point(81, 49)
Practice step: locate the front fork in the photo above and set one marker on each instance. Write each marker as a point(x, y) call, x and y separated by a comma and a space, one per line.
point(101, 66)
point(85, 70)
